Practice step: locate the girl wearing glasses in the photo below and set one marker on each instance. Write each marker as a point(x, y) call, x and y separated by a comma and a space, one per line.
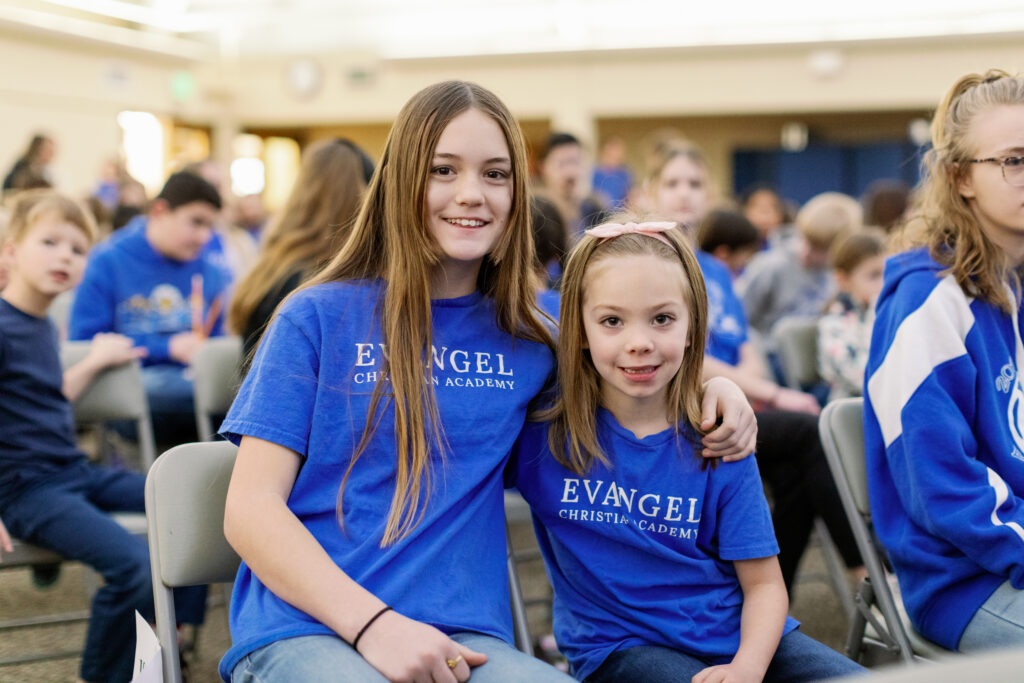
point(944, 404)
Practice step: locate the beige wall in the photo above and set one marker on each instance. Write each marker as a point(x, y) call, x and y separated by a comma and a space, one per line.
point(65, 87)
point(578, 89)
point(69, 90)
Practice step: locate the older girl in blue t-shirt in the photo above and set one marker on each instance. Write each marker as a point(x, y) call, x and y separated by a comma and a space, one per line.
point(662, 568)
point(377, 418)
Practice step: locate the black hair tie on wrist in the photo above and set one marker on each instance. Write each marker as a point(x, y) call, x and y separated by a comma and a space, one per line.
point(375, 617)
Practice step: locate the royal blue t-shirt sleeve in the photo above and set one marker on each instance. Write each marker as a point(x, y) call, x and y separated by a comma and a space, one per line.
point(276, 401)
point(745, 529)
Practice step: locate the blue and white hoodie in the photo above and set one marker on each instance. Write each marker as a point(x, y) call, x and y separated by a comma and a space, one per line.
point(943, 415)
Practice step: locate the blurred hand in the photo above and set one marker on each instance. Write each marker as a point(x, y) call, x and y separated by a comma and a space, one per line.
point(183, 346)
point(109, 349)
point(795, 401)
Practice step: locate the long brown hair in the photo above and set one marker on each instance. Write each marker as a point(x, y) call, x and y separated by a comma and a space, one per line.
point(572, 435)
point(308, 231)
point(390, 241)
point(944, 221)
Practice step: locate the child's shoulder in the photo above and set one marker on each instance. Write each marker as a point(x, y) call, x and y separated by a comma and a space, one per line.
point(911, 278)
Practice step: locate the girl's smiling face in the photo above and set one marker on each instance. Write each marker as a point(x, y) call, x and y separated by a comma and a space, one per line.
point(636, 323)
point(469, 193)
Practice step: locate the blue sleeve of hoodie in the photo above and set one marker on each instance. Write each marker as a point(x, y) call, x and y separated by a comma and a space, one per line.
point(923, 388)
point(93, 310)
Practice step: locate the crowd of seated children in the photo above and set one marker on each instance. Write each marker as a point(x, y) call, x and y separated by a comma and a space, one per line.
point(50, 495)
point(159, 286)
point(796, 279)
point(152, 282)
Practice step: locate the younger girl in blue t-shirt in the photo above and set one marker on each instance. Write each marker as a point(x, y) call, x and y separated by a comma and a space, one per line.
point(377, 418)
point(662, 569)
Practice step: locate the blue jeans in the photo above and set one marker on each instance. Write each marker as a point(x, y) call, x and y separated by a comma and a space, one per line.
point(329, 658)
point(798, 658)
point(999, 622)
point(67, 513)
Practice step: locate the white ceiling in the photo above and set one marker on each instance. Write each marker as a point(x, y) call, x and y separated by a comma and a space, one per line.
point(404, 29)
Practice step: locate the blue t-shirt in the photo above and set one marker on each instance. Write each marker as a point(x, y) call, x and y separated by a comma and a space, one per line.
point(641, 552)
point(132, 289)
point(727, 321)
point(309, 390)
point(37, 426)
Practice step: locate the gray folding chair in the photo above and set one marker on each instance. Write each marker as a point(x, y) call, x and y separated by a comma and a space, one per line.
point(842, 435)
point(116, 393)
point(215, 380)
point(517, 511)
point(796, 343)
point(185, 494)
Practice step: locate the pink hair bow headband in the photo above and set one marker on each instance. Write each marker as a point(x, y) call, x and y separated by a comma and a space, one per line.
point(650, 228)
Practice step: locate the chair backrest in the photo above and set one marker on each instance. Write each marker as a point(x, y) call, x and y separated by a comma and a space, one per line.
point(185, 493)
point(116, 393)
point(796, 342)
point(60, 312)
point(844, 422)
point(215, 380)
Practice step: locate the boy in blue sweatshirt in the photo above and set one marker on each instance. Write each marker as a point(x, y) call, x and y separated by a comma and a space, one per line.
point(944, 403)
point(152, 282)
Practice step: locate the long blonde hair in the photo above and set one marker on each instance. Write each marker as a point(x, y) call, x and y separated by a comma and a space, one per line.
point(944, 221)
point(390, 241)
point(308, 231)
point(572, 434)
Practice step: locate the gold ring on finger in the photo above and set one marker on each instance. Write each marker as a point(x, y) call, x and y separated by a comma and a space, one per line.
point(452, 663)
